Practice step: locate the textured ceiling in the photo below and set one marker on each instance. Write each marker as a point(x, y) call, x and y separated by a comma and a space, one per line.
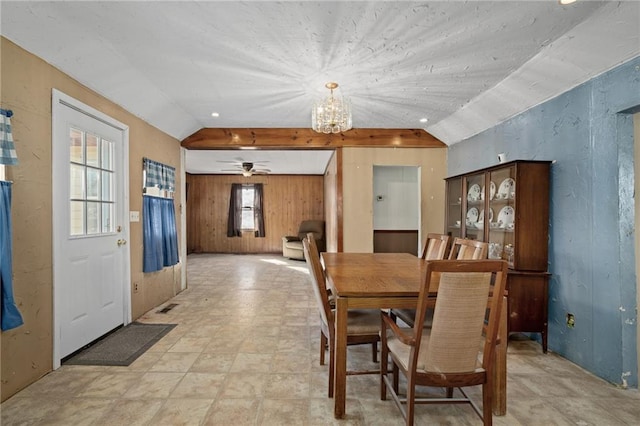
point(299, 162)
point(465, 66)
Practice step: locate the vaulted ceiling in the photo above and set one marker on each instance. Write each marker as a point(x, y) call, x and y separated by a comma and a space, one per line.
point(464, 66)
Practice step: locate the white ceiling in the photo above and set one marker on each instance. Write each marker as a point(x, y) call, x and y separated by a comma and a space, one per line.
point(300, 162)
point(465, 66)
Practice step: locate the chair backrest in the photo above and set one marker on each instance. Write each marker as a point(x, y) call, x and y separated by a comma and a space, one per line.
point(435, 248)
point(318, 282)
point(465, 249)
point(465, 298)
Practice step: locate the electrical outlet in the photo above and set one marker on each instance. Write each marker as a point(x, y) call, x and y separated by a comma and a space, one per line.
point(571, 321)
point(135, 287)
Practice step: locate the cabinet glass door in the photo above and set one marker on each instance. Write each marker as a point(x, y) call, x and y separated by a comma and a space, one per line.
point(474, 205)
point(502, 214)
point(454, 213)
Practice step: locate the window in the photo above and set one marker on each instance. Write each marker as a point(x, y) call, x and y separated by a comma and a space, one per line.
point(245, 210)
point(248, 195)
point(91, 184)
point(159, 230)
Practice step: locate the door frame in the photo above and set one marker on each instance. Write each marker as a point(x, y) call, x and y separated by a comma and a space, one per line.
point(60, 100)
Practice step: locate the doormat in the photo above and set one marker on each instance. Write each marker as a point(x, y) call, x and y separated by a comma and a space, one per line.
point(121, 347)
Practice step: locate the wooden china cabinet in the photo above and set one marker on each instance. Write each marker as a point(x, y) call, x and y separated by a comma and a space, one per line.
point(507, 205)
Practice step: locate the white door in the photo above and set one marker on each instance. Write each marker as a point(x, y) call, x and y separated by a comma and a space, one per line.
point(91, 270)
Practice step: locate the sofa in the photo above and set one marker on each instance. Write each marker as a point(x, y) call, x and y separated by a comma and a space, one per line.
point(292, 244)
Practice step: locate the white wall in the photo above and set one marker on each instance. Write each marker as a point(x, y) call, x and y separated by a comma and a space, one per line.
point(396, 198)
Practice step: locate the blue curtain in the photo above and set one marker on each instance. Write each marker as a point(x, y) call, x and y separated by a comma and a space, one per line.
point(11, 317)
point(160, 236)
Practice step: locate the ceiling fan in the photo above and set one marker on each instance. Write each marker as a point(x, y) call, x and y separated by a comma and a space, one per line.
point(246, 168)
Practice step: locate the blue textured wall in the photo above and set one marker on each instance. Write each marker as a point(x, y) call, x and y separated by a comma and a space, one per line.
point(588, 131)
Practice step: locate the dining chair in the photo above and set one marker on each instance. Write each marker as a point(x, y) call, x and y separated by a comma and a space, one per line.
point(363, 325)
point(435, 248)
point(465, 249)
point(458, 350)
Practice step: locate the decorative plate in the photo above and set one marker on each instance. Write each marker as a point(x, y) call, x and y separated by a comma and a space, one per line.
point(474, 192)
point(507, 189)
point(492, 191)
point(472, 215)
point(506, 216)
point(481, 217)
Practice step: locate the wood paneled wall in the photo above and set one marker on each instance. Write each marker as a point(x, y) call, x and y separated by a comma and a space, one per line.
point(288, 200)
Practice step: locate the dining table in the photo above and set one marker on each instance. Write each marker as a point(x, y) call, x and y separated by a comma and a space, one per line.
point(382, 281)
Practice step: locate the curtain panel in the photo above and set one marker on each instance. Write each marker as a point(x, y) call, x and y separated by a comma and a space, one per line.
point(10, 315)
point(8, 154)
point(234, 220)
point(160, 236)
point(159, 175)
point(258, 217)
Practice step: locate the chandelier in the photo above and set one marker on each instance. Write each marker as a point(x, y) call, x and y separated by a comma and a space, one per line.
point(331, 114)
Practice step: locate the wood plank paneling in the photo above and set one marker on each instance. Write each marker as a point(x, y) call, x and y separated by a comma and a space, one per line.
point(288, 200)
point(304, 138)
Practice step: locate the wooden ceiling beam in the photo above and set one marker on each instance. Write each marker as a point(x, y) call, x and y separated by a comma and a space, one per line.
point(294, 138)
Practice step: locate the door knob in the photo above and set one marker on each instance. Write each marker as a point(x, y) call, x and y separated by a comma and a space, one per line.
point(122, 242)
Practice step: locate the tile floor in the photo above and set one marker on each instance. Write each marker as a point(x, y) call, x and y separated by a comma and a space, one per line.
point(245, 352)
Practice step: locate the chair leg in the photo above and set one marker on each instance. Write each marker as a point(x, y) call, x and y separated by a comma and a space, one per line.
point(332, 367)
point(449, 392)
point(384, 359)
point(411, 401)
point(323, 347)
point(374, 351)
point(487, 403)
point(396, 379)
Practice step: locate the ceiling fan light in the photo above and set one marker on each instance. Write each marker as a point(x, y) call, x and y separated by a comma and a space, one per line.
point(331, 114)
point(246, 173)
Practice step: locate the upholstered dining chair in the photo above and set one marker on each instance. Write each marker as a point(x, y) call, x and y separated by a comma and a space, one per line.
point(435, 248)
point(458, 350)
point(363, 325)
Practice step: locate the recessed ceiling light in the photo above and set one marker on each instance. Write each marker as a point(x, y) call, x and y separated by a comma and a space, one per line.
point(215, 114)
point(567, 1)
point(424, 120)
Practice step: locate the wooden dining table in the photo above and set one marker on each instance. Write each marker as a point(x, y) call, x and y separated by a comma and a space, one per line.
point(387, 280)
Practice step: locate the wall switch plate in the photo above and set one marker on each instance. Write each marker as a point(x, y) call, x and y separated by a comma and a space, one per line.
point(134, 216)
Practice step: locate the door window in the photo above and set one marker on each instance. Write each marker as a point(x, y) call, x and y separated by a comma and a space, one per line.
point(91, 184)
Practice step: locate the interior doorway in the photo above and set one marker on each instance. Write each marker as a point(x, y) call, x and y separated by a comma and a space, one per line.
point(396, 209)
